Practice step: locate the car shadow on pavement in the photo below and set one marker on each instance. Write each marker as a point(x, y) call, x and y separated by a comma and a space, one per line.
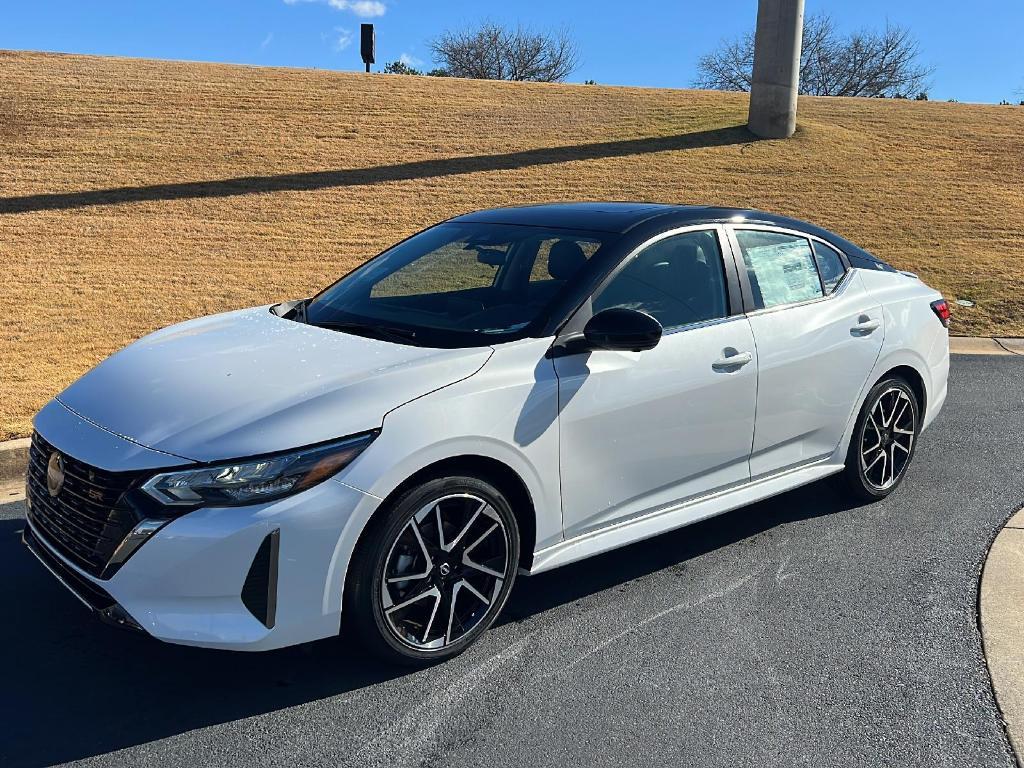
point(674, 549)
point(74, 687)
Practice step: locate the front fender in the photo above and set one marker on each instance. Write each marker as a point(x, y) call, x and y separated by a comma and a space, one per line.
point(507, 412)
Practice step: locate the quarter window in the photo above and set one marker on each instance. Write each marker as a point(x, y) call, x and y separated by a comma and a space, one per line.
point(830, 265)
point(678, 281)
point(781, 268)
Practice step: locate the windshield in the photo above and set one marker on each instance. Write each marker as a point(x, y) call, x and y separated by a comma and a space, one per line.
point(458, 284)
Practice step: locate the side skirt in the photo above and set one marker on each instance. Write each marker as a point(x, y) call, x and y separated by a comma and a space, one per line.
point(693, 511)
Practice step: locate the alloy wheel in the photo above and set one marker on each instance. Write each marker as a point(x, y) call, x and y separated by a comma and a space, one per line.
point(888, 439)
point(444, 571)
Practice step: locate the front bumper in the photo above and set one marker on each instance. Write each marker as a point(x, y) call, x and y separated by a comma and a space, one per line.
point(185, 584)
point(211, 577)
point(92, 596)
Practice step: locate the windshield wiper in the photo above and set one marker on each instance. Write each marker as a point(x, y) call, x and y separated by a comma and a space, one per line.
point(397, 335)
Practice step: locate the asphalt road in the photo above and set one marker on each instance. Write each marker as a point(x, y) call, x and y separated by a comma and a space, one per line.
point(800, 631)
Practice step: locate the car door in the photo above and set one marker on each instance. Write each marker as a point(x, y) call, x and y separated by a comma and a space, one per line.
point(818, 334)
point(641, 431)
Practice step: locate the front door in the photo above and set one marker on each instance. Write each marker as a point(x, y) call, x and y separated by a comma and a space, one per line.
point(642, 431)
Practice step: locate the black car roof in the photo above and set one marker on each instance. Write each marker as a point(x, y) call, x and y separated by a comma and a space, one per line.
point(621, 217)
point(596, 217)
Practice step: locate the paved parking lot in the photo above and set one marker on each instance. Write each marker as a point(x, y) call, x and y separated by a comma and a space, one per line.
point(800, 631)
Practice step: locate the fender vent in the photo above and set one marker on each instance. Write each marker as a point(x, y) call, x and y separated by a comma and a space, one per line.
point(259, 593)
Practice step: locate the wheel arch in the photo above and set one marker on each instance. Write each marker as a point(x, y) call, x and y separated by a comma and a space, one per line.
point(903, 364)
point(914, 378)
point(500, 475)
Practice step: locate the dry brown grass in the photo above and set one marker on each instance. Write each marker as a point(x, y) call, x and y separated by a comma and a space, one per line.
point(932, 187)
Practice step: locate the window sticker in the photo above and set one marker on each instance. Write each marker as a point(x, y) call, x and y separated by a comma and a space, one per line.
point(785, 272)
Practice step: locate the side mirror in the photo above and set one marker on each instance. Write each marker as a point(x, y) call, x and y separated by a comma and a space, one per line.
point(626, 330)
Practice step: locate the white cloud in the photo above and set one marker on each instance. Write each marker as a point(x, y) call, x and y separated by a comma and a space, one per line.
point(342, 38)
point(267, 40)
point(364, 9)
point(410, 61)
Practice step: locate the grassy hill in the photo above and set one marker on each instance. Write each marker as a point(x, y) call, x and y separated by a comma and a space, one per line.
point(137, 193)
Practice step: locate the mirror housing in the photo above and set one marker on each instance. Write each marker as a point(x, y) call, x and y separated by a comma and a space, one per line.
point(622, 329)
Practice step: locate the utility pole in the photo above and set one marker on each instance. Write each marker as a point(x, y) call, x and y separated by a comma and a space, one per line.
point(776, 81)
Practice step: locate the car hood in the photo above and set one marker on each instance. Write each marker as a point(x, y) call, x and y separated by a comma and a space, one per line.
point(248, 382)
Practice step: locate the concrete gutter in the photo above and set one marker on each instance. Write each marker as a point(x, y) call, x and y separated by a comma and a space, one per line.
point(14, 453)
point(1002, 626)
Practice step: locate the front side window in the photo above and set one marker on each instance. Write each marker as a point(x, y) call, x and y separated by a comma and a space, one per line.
point(781, 268)
point(678, 281)
point(459, 284)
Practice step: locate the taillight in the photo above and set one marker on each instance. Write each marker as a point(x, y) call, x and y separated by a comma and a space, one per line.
point(941, 310)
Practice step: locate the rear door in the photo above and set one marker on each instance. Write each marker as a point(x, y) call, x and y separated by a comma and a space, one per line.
point(818, 334)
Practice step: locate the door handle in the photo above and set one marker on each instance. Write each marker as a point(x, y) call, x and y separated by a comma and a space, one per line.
point(731, 361)
point(865, 325)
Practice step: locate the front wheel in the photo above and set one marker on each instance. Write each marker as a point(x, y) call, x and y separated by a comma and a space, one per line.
point(433, 571)
point(883, 441)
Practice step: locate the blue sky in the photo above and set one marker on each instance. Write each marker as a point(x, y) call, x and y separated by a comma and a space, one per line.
point(975, 47)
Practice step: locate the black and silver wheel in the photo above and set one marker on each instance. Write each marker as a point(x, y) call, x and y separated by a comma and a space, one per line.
point(435, 571)
point(884, 440)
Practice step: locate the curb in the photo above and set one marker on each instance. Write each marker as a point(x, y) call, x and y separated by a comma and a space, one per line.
point(13, 461)
point(14, 453)
point(1002, 626)
point(982, 345)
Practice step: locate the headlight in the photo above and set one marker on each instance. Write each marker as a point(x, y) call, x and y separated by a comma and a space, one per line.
point(250, 481)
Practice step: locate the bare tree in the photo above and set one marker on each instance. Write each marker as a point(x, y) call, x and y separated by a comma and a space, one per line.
point(490, 51)
point(864, 63)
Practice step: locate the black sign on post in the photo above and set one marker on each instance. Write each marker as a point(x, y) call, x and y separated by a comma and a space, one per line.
point(367, 44)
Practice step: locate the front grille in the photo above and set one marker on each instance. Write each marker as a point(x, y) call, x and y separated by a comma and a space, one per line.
point(88, 518)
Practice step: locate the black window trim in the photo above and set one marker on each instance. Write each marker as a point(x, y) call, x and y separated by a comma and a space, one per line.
point(750, 308)
point(573, 327)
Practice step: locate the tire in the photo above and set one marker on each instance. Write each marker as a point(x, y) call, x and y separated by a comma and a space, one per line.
point(884, 440)
point(433, 571)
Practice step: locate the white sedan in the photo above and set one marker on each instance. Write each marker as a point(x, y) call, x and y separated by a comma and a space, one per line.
point(506, 392)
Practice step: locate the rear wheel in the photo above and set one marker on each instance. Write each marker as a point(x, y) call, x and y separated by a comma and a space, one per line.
point(434, 571)
point(884, 440)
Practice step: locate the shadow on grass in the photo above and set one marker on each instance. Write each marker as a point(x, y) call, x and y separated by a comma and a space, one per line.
point(74, 687)
point(421, 169)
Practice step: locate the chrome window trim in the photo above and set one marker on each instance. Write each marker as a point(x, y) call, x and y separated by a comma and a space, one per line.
point(723, 255)
point(701, 324)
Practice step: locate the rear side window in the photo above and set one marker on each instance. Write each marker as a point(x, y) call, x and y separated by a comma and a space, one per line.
point(781, 268)
point(830, 265)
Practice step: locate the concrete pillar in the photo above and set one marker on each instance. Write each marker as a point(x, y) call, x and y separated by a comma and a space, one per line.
point(776, 81)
